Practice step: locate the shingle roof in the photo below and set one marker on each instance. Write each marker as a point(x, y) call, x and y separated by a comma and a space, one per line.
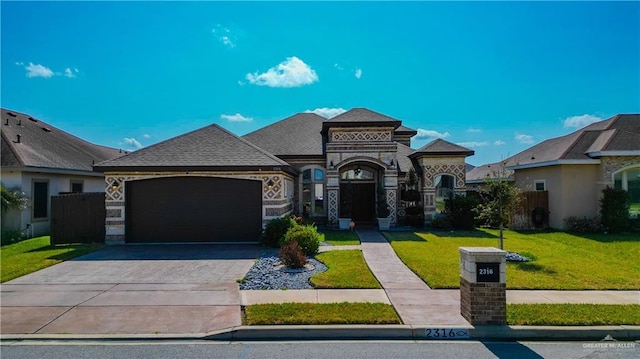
point(442, 147)
point(404, 162)
point(44, 146)
point(618, 133)
point(480, 173)
point(295, 135)
point(404, 130)
point(210, 147)
point(360, 114)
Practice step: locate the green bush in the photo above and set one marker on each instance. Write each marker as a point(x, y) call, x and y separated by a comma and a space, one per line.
point(583, 225)
point(11, 236)
point(275, 230)
point(307, 237)
point(291, 255)
point(460, 211)
point(614, 210)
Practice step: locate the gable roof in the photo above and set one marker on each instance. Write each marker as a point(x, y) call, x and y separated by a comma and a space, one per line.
point(357, 117)
point(480, 173)
point(404, 130)
point(440, 147)
point(208, 148)
point(298, 135)
point(47, 147)
point(618, 135)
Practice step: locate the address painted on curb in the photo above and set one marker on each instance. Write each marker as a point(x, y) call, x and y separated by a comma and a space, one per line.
point(447, 333)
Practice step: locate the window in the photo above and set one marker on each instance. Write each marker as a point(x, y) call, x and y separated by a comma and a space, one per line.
point(76, 186)
point(629, 180)
point(313, 192)
point(40, 199)
point(540, 185)
point(357, 174)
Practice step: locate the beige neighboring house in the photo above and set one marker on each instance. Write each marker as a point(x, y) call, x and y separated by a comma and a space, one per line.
point(43, 161)
point(575, 168)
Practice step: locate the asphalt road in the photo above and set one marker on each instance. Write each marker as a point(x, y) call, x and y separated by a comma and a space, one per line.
point(325, 349)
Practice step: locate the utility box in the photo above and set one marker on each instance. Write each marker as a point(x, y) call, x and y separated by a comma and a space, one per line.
point(483, 284)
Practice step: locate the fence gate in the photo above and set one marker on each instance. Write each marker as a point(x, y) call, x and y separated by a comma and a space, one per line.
point(533, 212)
point(78, 218)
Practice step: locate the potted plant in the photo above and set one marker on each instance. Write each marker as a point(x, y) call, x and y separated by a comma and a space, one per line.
point(382, 210)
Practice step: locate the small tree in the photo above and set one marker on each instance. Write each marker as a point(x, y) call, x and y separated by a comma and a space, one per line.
point(459, 211)
point(500, 199)
point(13, 199)
point(614, 210)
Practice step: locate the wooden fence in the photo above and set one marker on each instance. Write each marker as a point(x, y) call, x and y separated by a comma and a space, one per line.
point(78, 218)
point(533, 212)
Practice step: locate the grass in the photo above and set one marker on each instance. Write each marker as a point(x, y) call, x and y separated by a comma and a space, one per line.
point(347, 269)
point(34, 254)
point(341, 238)
point(326, 313)
point(573, 314)
point(562, 260)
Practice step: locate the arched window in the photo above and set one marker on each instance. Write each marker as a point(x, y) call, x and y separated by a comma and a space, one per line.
point(313, 203)
point(444, 190)
point(629, 180)
point(357, 174)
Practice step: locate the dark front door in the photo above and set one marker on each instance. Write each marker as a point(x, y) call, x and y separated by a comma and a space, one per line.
point(193, 209)
point(359, 199)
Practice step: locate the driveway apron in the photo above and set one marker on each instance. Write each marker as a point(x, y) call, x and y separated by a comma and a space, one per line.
point(415, 302)
point(131, 289)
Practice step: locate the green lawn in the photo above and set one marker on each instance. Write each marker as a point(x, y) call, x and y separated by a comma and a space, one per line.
point(562, 260)
point(573, 314)
point(347, 269)
point(340, 238)
point(329, 313)
point(34, 254)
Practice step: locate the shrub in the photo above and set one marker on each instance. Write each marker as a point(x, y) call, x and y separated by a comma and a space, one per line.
point(10, 236)
point(440, 222)
point(275, 230)
point(614, 210)
point(291, 255)
point(307, 237)
point(583, 225)
point(460, 211)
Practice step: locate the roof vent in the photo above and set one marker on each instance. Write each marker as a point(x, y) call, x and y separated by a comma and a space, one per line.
point(19, 122)
point(18, 136)
point(11, 114)
point(46, 129)
point(6, 123)
point(32, 119)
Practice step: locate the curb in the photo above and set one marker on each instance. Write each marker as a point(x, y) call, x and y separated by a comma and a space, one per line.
point(363, 332)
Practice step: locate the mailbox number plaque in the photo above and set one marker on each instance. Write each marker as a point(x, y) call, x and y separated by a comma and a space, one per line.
point(488, 272)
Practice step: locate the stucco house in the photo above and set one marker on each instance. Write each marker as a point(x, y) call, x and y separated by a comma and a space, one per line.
point(43, 161)
point(574, 169)
point(211, 185)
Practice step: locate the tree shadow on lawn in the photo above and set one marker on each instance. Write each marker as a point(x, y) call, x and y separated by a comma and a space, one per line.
point(533, 267)
point(463, 234)
point(404, 237)
point(609, 237)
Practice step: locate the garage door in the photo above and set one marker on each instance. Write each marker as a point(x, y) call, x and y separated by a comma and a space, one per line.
point(193, 209)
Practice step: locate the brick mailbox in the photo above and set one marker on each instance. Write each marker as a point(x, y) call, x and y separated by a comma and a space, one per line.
point(483, 285)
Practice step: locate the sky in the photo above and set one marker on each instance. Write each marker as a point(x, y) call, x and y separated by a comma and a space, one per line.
point(497, 77)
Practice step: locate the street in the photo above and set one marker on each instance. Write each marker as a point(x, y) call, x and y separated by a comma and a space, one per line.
point(316, 349)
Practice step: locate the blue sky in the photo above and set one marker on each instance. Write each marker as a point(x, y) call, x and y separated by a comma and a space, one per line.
point(497, 77)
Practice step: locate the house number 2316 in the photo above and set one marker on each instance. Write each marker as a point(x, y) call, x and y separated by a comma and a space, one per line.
point(485, 271)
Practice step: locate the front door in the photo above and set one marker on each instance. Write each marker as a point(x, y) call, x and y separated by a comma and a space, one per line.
point(359, 199)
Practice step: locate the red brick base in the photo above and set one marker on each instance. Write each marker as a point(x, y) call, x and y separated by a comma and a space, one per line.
point(483, 303)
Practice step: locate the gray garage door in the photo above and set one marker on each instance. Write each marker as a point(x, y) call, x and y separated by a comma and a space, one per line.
point(193, 209)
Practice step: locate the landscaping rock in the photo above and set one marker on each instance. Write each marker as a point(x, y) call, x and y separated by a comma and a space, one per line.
point(268, 273)
point(516, 257)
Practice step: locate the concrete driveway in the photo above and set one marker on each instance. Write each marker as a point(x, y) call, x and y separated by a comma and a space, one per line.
point(132, 289)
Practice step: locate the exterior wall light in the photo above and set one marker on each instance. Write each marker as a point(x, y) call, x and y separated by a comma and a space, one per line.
point(115, 185)
point(270, 185)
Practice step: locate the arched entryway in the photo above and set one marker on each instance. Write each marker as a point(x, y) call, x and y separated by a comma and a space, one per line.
point(358, 185)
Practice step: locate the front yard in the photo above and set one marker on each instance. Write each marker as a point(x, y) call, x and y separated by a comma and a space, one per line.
point(561, 260)
point(34, 254)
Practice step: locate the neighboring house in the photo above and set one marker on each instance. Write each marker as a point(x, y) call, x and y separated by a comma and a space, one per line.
point(211, 185)
point(575, 168)
point(477, 176)
point(43, 161)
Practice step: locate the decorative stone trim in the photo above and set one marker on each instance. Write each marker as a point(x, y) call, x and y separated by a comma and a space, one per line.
point(114, 213)
point(361, 135)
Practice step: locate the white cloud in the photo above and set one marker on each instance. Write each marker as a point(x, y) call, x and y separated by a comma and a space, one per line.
point(358, 73)
point(431, 134)
point(473, 144)
point(292, 72)
point(236, 118)
point(20, 63)
point(70, 74)
point(580, 121)
point(338, 67)
point(224, 36)
point(146, 135)
point(526, 139)
point(133, 142)
point(474, 130)
point(327, 112)
point(499, 143)
point(38, 71)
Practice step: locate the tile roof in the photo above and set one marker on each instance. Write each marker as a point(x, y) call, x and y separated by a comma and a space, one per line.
point(298, 135)
point(442, 147)
point(44, 146)
point(209, 147)
point(618, 133)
